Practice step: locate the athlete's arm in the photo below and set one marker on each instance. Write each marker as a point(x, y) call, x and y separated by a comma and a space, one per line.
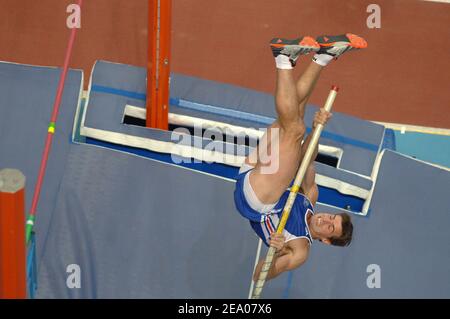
point(287, 258)
point(308, 184)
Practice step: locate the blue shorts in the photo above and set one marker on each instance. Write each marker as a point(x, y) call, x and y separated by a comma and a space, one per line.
point(241, 203)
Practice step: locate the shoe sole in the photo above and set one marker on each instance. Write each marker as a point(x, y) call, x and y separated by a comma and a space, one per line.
point(306, 43)
point(355, 41)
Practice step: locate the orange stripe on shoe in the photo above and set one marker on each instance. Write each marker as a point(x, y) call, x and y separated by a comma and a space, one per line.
point(309, 41)
point(327, 44)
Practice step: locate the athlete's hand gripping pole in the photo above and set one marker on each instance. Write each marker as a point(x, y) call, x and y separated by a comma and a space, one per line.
point(293, 194)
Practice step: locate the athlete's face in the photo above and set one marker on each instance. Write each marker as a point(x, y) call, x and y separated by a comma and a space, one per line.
point(326, 225)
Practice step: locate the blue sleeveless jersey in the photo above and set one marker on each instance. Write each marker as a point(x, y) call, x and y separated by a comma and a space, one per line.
point(264, 224)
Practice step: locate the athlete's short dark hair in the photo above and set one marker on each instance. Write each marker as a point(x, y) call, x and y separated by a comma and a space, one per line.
point(347, 232)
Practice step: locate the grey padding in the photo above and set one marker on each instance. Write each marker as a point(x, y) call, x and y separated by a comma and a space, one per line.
point(344, 176)
point(142, 229)
point(27, 97)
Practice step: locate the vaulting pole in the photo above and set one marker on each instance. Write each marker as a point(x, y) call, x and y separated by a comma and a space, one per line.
point(293, 194)
point(158, 65)
point(50, 132)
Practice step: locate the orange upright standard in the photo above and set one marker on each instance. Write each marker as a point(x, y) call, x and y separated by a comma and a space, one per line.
point(158, 65)
point(12, 235)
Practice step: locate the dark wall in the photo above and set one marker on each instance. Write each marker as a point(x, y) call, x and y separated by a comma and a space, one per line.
point(402, 77)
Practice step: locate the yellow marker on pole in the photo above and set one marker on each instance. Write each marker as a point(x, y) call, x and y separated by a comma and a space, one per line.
point(51, 127)
point(293, 194)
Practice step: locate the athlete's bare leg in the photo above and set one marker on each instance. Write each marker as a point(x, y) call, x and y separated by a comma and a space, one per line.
point(290, 98)
point(288, 130)
point(305, 85)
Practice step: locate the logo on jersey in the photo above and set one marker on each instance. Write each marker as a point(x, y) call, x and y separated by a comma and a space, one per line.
point(306, 202)
point(275, 211)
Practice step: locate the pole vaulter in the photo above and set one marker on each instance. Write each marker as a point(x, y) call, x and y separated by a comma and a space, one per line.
point(293, 194)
